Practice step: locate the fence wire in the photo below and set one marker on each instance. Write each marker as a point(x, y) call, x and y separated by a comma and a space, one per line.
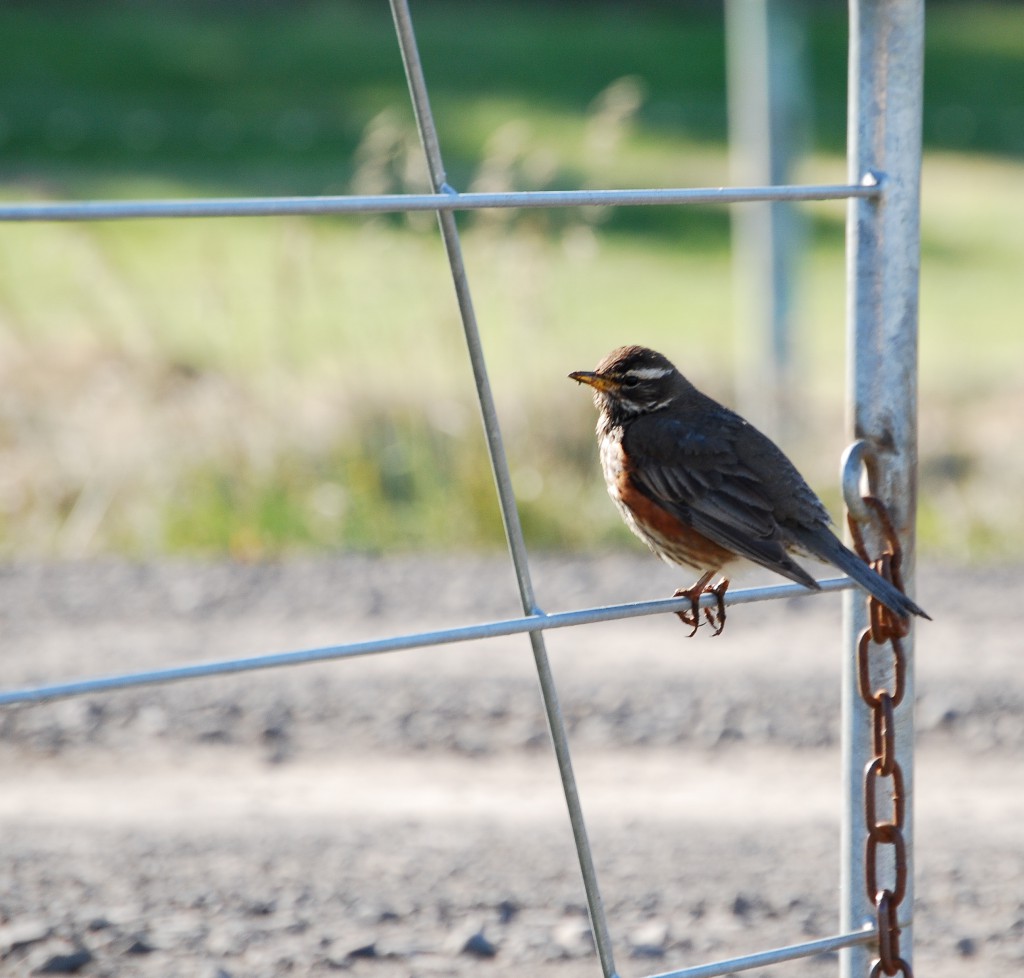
point(873, 43)
point(446, 199)
point(537, 622)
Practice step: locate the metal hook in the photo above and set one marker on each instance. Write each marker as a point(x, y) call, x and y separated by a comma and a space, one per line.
point(855, 468)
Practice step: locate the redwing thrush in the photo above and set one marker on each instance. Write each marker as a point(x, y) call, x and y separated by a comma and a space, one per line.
point(702, 487)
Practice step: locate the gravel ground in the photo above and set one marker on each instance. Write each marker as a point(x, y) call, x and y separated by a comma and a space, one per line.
point(401, 814)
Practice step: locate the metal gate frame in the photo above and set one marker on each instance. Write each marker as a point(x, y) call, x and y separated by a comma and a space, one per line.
point(883, 249)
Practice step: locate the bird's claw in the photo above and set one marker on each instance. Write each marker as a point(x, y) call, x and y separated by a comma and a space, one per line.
point(691, 617)
point(719, 592)
point(716, 618)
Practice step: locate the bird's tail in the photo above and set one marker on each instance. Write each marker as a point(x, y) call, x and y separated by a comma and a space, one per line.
point(835, 552)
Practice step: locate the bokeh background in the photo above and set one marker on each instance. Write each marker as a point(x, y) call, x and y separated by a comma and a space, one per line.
point(261, 387)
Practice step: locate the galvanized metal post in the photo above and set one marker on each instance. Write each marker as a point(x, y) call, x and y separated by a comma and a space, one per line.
point(883, 257)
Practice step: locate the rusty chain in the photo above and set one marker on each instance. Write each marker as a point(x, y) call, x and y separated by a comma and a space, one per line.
point(884, 830)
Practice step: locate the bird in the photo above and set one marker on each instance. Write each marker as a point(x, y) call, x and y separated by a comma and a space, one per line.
point(702, 487)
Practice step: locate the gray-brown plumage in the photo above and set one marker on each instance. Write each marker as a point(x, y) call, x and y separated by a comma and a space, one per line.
point(702, 487)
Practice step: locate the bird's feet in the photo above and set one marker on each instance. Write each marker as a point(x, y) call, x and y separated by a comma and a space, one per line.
point(716, 618)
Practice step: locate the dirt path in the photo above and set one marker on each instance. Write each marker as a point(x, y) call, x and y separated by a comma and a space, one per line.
point(401, 815)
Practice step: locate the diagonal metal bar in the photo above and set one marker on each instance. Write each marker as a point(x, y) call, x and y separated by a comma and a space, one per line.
point(448, 200)
point(503, 481)
point(397, 643)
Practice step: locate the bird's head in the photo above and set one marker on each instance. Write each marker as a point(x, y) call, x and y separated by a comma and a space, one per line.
point(631, 381)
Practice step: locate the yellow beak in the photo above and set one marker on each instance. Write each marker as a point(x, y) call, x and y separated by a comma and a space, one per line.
point(598, 381)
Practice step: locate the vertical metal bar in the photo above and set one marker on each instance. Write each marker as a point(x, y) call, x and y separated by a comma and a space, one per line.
point(766, 82)
point(502, 478)
point(883, 256)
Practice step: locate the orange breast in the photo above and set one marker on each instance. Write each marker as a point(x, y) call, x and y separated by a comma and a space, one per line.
point(667, 536)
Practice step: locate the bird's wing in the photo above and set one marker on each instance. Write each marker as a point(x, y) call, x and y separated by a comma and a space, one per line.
point(698, 477)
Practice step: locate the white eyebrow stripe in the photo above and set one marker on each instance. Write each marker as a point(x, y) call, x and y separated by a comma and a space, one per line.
point(648, 373)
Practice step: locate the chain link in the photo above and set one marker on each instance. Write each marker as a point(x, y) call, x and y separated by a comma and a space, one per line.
point(884, 832)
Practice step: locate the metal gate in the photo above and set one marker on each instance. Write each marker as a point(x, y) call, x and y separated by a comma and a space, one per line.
point(884, 155)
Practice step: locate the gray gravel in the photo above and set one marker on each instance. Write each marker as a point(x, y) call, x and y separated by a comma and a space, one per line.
point(400, 815)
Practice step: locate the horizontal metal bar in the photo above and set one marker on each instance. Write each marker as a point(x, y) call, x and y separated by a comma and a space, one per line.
point(116, 210)
point(777, 956)
point(446, 636)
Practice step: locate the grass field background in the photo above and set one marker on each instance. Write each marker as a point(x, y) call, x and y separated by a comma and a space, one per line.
point(262, 386)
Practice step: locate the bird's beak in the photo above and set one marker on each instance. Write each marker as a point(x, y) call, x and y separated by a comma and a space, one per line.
point(598, 381)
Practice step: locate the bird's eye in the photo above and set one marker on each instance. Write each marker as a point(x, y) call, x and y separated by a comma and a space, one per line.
point(630, 381)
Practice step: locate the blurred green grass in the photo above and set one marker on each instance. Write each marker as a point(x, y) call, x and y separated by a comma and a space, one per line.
point(261, 386)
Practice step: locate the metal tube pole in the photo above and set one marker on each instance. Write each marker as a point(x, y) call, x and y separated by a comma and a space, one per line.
point(883, 256)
